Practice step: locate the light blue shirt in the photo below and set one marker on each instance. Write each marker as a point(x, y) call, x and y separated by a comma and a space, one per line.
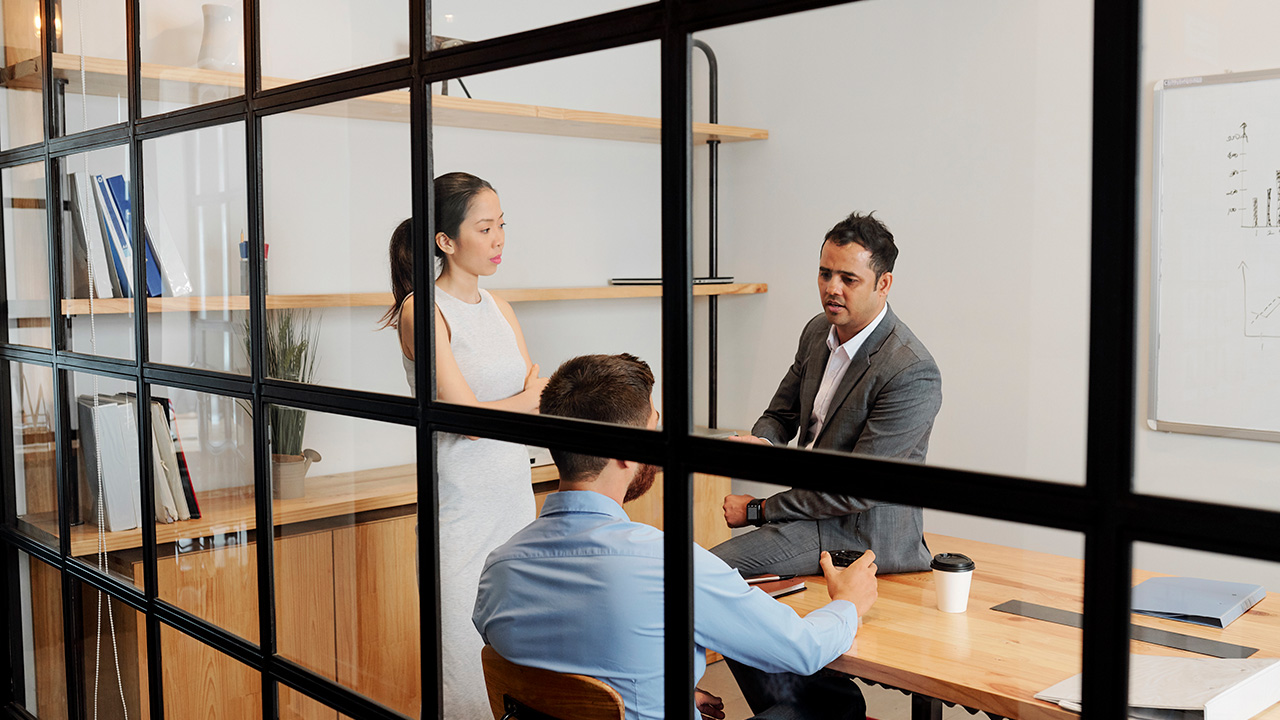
point(580, 590)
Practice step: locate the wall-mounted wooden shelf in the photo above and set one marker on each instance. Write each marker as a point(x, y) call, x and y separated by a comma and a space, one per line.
point(232, 510)
point(115, 306)
point(159, 82)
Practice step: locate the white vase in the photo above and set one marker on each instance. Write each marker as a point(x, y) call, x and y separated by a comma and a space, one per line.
point(220, 44)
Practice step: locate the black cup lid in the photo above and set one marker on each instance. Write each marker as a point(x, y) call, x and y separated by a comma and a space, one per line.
point(951, 562)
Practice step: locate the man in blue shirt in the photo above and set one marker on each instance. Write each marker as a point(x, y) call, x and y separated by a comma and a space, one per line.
point(580, 590)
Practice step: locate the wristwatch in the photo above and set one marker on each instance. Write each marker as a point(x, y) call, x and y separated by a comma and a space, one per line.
point(755, 512)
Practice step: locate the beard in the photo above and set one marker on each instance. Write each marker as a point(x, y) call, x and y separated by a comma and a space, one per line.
point(641, 483)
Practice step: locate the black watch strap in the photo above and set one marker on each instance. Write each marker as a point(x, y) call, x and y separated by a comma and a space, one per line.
point(755, 512)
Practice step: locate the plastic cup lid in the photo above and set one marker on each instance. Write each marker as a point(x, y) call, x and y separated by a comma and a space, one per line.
point(952, 562)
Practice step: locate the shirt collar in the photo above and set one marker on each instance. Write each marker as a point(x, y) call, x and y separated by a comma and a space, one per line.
point(582, 501)
point(855, 342)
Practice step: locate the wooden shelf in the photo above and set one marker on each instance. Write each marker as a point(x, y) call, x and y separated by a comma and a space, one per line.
point(232, 510)
point(115, 306)
point(108, 77)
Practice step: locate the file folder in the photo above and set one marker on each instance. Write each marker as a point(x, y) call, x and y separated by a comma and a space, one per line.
point(1204, 602)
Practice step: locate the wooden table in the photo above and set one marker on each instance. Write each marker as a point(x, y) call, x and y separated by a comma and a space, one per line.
point(994, 661)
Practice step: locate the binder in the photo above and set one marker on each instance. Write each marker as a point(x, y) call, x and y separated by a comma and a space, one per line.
point(184, 473)
point(116, 237)
point(1194, 600)
point(86, 222)
point(166, 460)
point(120, 488)
point(160, 240)
point(120, 193)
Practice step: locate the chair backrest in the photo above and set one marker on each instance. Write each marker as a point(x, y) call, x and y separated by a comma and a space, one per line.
point(560, 696)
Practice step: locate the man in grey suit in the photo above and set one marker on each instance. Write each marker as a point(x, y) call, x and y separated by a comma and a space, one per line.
point(861, 383)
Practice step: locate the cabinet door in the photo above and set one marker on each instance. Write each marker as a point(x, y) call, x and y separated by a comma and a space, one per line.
point(376, 611)
point(218, 585)
point(305, 629)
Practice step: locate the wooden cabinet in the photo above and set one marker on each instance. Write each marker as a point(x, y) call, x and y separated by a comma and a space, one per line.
point(346, 608)
point(346, 594)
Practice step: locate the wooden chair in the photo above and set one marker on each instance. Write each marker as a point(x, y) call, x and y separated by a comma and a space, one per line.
point(517, 692)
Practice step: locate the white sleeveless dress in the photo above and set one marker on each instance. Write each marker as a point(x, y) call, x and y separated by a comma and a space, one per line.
point(486, 492)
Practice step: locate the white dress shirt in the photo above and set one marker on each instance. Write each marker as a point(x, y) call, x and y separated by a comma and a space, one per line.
point(837, 363)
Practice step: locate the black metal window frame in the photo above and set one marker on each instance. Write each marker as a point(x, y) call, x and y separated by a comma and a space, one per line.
point(1106, 510)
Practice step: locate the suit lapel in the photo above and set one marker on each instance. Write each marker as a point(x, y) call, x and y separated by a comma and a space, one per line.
point(813, 370)
point(858, 366)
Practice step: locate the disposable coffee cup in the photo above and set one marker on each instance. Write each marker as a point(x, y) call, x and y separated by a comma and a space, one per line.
point(952, 573)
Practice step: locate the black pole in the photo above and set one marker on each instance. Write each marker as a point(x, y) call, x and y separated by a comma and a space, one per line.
point(713, 236)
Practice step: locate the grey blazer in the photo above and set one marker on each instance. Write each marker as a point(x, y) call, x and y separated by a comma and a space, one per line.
point(884, 406)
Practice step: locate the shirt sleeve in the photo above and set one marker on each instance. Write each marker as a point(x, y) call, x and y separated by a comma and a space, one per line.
point(746, 624)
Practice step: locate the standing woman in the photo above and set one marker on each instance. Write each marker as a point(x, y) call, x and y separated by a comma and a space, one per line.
point(486, 492)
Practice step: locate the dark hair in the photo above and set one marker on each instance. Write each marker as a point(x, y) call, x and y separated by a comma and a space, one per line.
point(400, 253)
point(605, 388)
point(453, 194)
point(871, 234)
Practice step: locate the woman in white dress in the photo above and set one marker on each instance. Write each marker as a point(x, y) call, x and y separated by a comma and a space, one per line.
point(486, 493)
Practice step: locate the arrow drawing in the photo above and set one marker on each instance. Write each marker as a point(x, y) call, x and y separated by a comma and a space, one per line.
point(1252, 328)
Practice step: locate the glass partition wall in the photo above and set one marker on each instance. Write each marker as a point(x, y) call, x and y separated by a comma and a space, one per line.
point(198, 200)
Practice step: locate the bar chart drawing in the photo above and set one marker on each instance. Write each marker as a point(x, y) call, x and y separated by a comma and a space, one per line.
point(1257, 207)
point(1261, 304)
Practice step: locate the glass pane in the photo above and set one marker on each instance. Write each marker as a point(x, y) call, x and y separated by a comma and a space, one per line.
point(192, 53)
point(35, 473)
point(1238, 606)
point(22, 120)
point(453, 20)
point(541, 574)
point(201, 682)
point(328, 217)
point(1207, 387)
point(197, 217)
point(346, 592)
point(952, 141)
point(93, 185)
point(26, 244)
point(582, 551)
point(296, 706)
point(44, 675)
point(970, 653)
point(93, 38)
point(581, 202)
point(203, 461)
point(300, 42)
point(106, 520)
point(115, 656)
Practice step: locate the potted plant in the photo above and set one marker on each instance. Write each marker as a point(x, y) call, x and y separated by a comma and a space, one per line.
point(290, 353)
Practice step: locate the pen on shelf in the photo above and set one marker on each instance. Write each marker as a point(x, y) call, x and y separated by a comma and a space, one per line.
point(767, 578)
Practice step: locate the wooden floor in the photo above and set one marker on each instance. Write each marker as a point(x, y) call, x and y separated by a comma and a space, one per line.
point(882, 704)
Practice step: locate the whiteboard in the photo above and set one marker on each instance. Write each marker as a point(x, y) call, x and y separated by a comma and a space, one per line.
point(1215, 330)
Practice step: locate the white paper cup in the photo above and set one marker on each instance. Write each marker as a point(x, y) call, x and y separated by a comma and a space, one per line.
point(952, 574)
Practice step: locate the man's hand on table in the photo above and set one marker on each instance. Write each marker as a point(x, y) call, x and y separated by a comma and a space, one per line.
point(856, 583)
point(709, 705)
point(735, 510)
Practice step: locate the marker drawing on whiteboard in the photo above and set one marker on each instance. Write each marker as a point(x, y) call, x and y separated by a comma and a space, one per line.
point(1264, 323)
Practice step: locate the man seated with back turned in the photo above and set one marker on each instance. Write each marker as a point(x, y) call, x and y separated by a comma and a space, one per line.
point(580, 590)
point(861, 383)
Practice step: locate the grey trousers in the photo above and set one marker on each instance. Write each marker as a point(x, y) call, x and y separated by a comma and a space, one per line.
point(788, 548)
